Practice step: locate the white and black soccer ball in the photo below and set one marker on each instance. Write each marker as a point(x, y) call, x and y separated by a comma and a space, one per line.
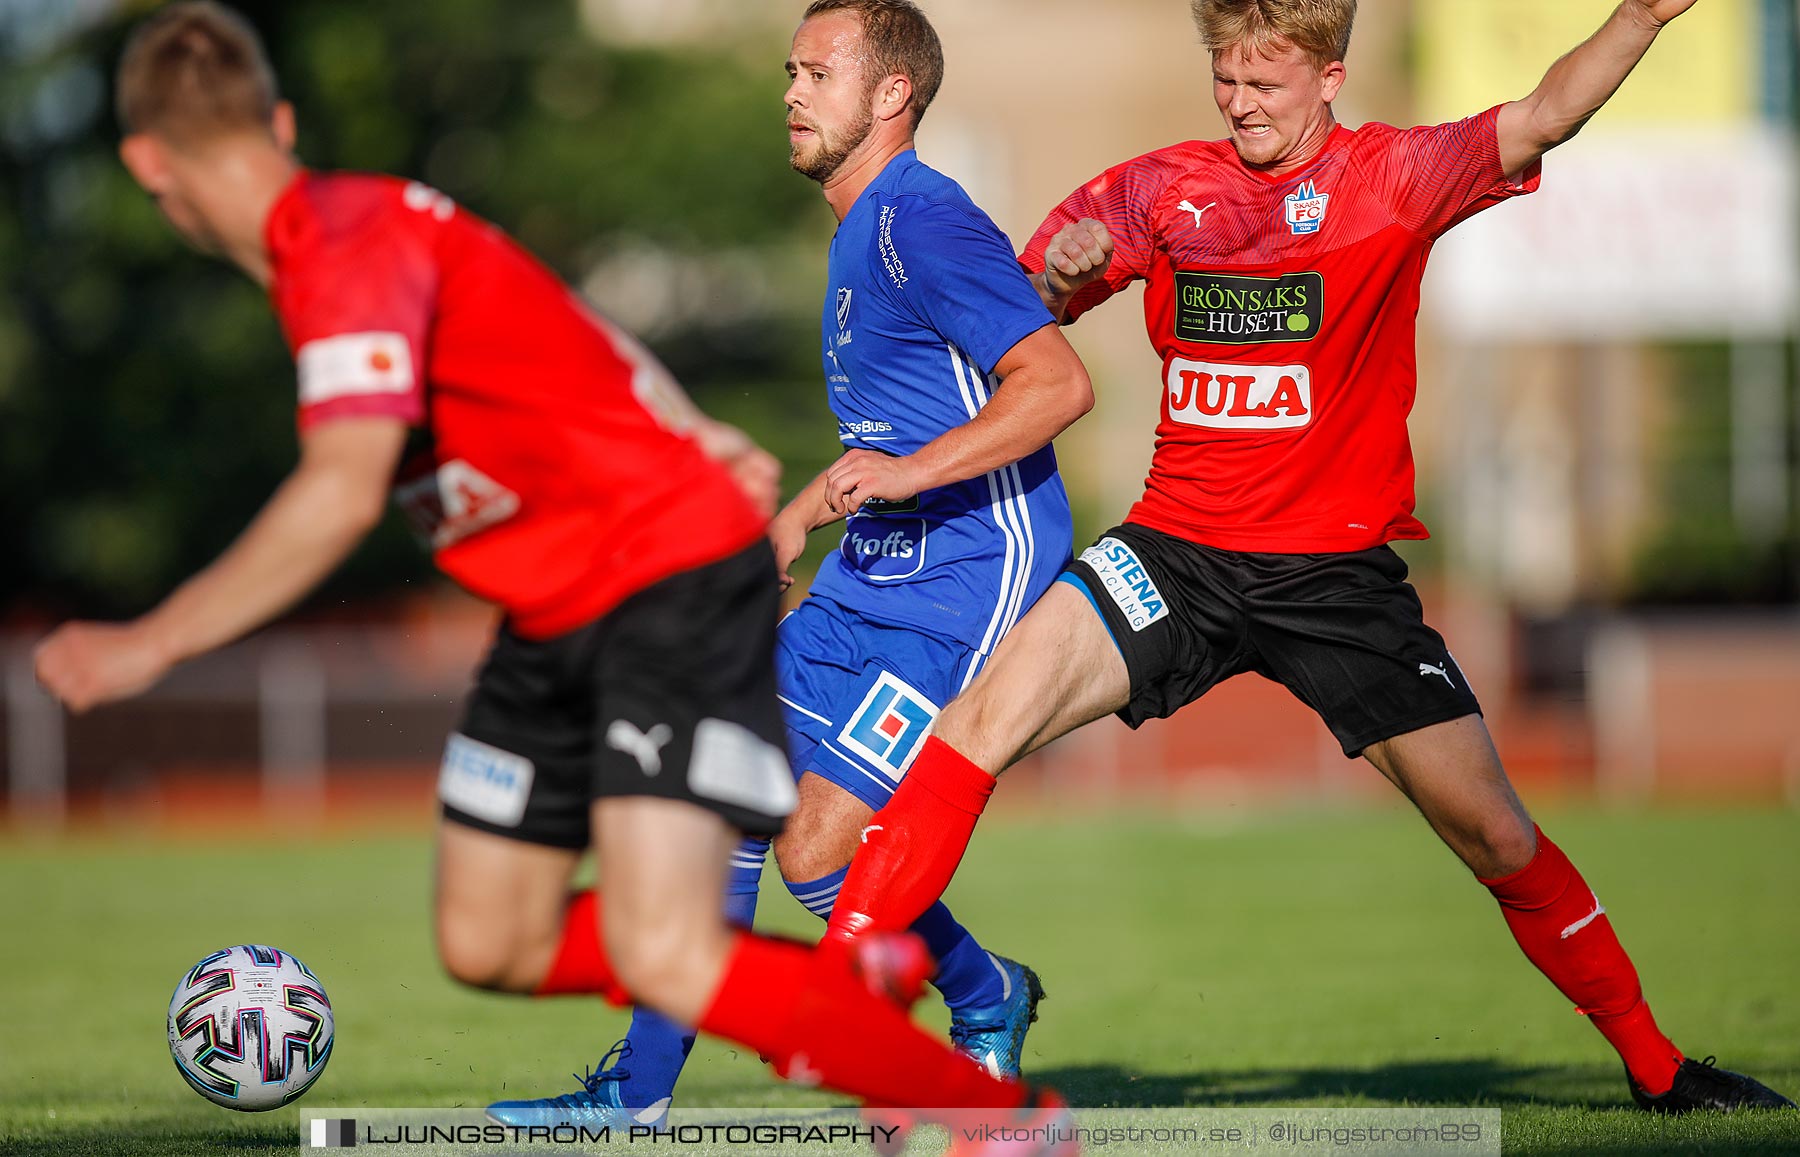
point(250, 1028)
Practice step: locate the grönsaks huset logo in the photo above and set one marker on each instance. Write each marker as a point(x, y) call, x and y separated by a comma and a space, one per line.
point(1226, 309)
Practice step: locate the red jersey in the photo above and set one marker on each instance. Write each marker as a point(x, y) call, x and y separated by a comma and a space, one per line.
point(550, 487)
point(1284, 309)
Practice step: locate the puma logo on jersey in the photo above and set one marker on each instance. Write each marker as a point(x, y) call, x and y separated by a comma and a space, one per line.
point(1428, 669)
point(1188, 207)
point(645, 747)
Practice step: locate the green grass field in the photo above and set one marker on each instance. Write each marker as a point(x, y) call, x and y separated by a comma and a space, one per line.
point(1268, 959)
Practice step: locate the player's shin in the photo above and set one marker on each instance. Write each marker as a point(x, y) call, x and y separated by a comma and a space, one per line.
point(819, 1024)
point(1559, 922)
point(966, 974)
point(911, 847)
point(659, 1045)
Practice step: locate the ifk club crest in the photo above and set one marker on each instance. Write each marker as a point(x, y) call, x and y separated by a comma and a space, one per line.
point(843, 307)
point(1306, 209)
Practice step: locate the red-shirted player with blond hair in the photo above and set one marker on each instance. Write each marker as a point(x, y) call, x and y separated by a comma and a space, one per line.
point(629, 700)
point(1282, 272)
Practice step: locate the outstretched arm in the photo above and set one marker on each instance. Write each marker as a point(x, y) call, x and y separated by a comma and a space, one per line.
point(334, 497)
point(1578, 84)
point(1043, 389)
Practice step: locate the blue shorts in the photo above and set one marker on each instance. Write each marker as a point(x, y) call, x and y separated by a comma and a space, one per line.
point(858, 696)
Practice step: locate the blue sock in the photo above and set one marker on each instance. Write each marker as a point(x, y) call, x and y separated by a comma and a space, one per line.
point(746, 876)
point(660, 1046)
point(966, 976)
point(817, 896)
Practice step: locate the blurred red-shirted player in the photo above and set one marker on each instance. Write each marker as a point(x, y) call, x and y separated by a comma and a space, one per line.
point(629, 700)
point(1282, 275)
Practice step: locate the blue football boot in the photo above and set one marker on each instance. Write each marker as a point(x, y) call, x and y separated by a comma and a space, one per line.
point(994, 1034)
point(596, 1105)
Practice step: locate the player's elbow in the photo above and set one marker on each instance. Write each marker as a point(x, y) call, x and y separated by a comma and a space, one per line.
point(1076, 395)
point(1545, 127)
point(361, 512)
point(345, 507)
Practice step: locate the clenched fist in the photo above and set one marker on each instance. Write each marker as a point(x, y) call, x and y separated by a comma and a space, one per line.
point(864, 476)
point(1077, 255)
point(87, 664)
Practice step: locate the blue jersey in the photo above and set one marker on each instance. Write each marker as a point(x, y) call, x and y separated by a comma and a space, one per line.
point(925, 299)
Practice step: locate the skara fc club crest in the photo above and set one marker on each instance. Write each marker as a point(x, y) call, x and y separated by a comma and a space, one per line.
point(1305, 209)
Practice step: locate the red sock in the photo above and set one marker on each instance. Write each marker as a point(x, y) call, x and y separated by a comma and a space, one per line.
point(1558, 921)
point(819, 1025)
point(581, 964)
point(913, 845)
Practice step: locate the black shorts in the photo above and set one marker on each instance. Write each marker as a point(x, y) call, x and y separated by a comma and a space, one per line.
point(1344, 632)
point(672, 694)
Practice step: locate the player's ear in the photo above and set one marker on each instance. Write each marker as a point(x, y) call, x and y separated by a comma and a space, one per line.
point(147, 160)
point(283, 126)
point(893, 96)
point(1332, 80)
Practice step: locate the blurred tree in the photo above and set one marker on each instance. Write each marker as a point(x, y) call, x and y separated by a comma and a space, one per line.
point(1699, 554)
point(146, 397)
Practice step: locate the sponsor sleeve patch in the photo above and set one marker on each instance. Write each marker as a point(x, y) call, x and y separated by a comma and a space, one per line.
point(485, 781)
point(1126, 582)
point(354, 365)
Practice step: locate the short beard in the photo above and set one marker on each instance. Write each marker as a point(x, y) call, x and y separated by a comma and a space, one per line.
point(824, 164)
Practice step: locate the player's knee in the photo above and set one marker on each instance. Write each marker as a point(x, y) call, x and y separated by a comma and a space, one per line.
point(480, 952)
point(470, 960)
point(670, 964)
point(803, 855)
point(823, 833)
point(1505, 843)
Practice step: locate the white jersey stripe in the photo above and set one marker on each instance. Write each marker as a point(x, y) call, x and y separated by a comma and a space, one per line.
point(886, 785)
point(977, 660)
point(1012, 573)
point(1013, 484)
point(804, 711)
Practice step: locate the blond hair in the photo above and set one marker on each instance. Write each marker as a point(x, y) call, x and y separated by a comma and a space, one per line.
point(1319, 28)
point(192, 71)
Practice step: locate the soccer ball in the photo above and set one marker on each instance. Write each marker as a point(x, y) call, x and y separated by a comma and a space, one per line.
point(250, 1028)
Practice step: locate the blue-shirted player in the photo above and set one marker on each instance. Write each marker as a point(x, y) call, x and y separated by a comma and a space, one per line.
point(949, 378)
